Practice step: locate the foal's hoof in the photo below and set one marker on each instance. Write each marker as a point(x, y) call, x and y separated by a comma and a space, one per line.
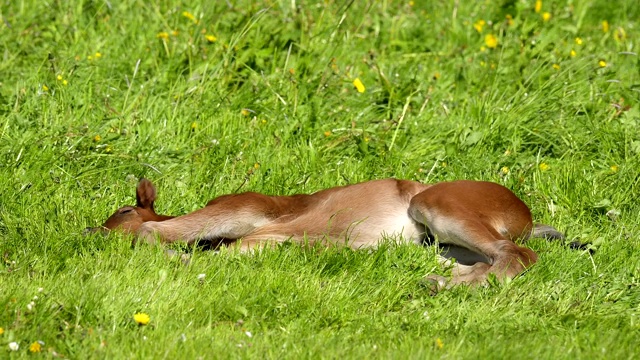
point(435, 283)
point(172, 254)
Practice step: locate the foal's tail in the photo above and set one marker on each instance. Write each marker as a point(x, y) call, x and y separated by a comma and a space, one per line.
point(546, 232)
point(550, 233)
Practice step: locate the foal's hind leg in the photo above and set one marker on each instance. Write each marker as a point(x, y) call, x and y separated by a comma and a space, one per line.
point(483, 218)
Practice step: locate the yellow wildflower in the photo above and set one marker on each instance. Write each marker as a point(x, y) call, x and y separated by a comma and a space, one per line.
point(411, 3)
point(175, 32)
point(479, 25)
point(573, 53)
point(141, 318)
point(538, 6)
point(546, 16)
point(505, 170)
point(194, 125)
point(45, 87)
point(605, 26)
point(491, 41)
point(359, 85)
point(211, 38)
point(443, 164)
point(509, 19)
point(327, 133)
point(436, 75)
point(245, 112)
point(439, 343)
point(35, 347)
point(163, 35)
point(59, 77)
point(256, 166)
point(614, 168)
point(98, 55)
point(97, 138)
point(190, 16)
point(65, 82)
point(619, 34)
point(264, 121)
point(578, 41)
point(1, 331)
point(602, 63)
point(556, 66)
point(543, 166)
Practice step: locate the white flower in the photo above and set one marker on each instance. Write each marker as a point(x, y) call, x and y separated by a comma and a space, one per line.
point(201, 277)
point(248, 333)
point(14, 346)
point(31, 306)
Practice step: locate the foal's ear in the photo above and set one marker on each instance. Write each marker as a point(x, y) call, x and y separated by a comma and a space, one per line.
point(145, 194)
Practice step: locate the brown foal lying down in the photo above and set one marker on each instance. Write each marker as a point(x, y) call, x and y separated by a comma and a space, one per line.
point(479, 221)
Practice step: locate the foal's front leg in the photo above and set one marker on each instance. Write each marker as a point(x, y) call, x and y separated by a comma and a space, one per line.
point(228, 217)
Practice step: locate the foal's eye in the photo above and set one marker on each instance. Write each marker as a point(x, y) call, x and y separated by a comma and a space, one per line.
point(125, 211)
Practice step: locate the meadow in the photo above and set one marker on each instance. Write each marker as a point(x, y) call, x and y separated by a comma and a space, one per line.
point(206, 98)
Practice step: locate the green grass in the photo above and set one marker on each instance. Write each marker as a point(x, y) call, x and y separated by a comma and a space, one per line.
point(93, 97)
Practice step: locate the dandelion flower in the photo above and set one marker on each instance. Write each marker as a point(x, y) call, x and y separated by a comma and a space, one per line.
point(65, 82)
point(98, 55)
point(141, 318)
point(614, 168)
point(190, 16)
point(605, 26)
point(602, 63)
point(327, 133)
point(45, 87)
point(578, 41)
point(505, 170)
point(210, 38)
point(546, 16)
point(194, 125)
point(619, 34)
point(573, 53)
point(479, 25)
point(538, 6)
point(509, 19)
point(35, 347)
point(556, 66)
point(292, 71)
point(543, 166)
point(359, 85)
point(1, 331)
point(439, 343)
point(97, 138)
point(59, 77)
point(491, 41)
point(163, 35)
point(245, 112)
point(14, 346)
